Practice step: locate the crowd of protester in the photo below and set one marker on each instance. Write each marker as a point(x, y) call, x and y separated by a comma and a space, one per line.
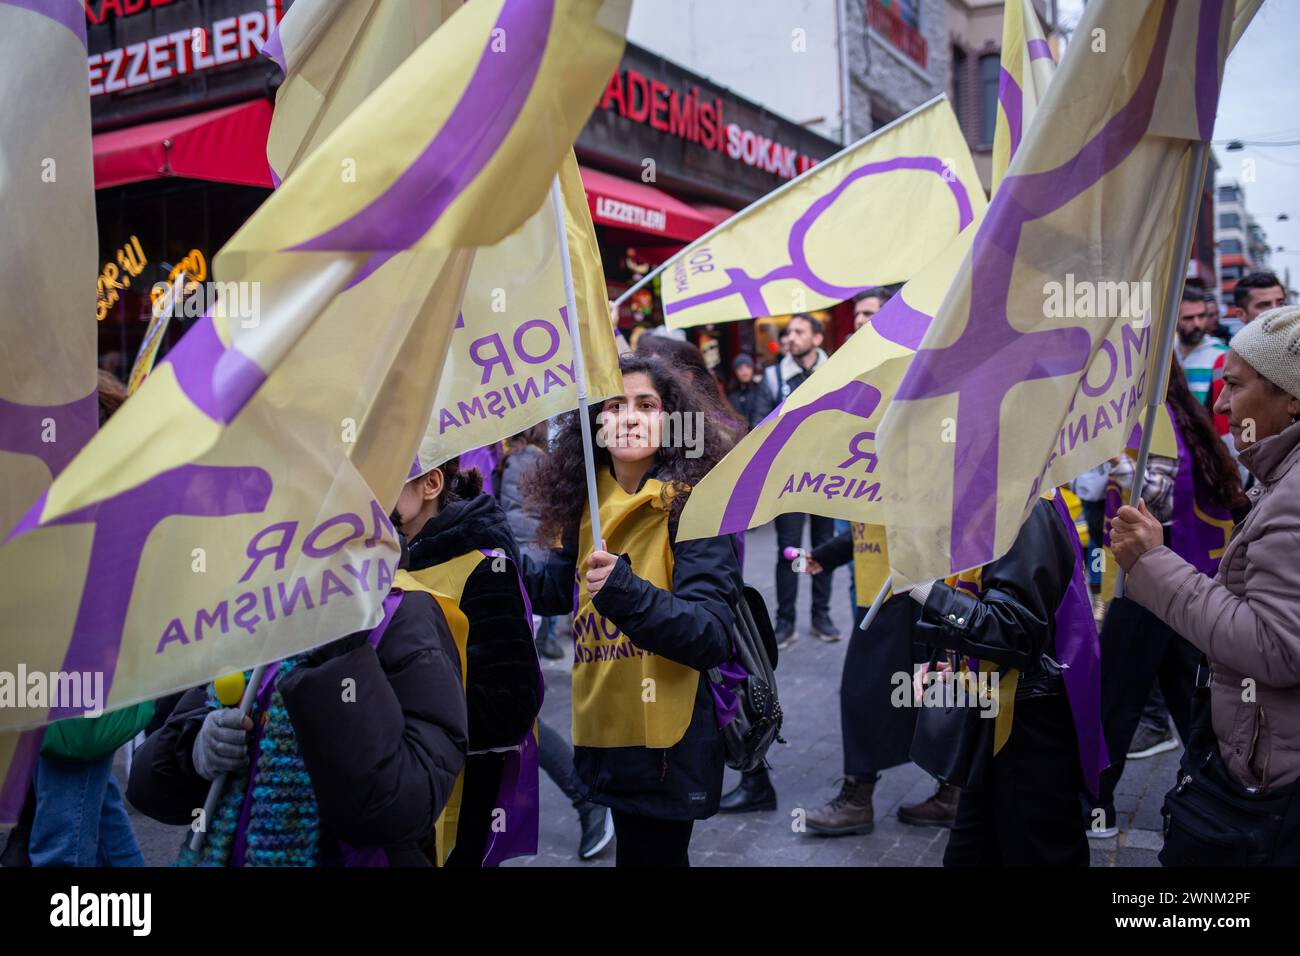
point(1201, 651)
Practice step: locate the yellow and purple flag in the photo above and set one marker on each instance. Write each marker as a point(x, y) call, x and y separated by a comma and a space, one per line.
point(48, 403)
point(1027, 67)
point(816, 453)
point(871, 215)
point(1038, 364)
point(48, 406)
point(509, 363)
point(234, 511)
point(334, 53)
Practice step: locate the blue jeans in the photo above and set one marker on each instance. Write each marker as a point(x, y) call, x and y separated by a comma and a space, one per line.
point(80, 818)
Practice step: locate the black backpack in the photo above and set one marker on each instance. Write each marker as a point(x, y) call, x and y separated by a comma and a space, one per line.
point(747, 737)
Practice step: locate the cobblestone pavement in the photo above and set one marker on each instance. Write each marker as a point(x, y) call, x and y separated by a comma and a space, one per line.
point(805, 773)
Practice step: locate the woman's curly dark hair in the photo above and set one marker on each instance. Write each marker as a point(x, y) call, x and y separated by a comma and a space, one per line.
point(557, 486)
point(1212, 467)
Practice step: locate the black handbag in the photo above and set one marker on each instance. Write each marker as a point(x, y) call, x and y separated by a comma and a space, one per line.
point(757, 722)
point(1212, 820)
point(952, 742)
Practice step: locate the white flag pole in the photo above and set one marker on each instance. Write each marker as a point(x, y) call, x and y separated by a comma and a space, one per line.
point(219, 782)
point(758, 204)
point(875, 605)
point(1165, 350)
point(579, 364)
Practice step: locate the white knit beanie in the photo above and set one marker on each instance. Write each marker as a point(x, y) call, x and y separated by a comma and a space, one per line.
point(1271, 344)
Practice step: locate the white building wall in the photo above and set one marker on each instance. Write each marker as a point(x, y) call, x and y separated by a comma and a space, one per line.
point(779, 53)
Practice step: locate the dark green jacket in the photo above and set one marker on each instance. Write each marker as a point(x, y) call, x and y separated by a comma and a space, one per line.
point(89, 738)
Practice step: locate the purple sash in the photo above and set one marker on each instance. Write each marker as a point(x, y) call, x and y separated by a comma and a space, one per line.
point(517, 794)
point(1191, 536)
point(1079, 650)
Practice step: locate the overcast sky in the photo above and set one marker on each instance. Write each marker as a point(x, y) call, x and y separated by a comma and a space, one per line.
point(1260, 101)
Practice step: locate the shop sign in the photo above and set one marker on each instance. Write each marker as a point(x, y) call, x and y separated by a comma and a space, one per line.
point(698, 119)
point(200, 47)
point(618, 212)
point(117, 275)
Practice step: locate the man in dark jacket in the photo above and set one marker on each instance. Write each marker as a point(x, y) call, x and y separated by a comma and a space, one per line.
point(806, 356)
point(382, 762)
point(749, 396)
point(875, 734)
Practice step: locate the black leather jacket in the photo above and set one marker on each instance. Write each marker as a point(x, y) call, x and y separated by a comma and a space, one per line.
point(1014, 624)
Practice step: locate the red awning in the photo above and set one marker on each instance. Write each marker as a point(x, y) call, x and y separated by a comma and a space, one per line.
point(226, 145)
point(627, 204)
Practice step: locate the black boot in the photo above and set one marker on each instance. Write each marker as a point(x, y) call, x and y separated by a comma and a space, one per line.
point(754, 792)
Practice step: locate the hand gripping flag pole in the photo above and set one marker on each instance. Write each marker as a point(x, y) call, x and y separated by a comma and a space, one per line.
point(1173, 296)
point(579, 365)
point(219, 781)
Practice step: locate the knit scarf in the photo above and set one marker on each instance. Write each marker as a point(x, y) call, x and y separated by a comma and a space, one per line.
point(279, 822)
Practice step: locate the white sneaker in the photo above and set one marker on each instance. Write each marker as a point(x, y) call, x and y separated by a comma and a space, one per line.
point(1148, 742)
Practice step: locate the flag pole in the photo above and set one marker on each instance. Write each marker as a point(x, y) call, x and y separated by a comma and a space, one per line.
point(219, 781)
point(1165, 350)
point(758, 203)
point(579, 364)
point(875, 605)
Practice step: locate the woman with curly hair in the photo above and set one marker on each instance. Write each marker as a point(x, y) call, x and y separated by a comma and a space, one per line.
point(652, 613)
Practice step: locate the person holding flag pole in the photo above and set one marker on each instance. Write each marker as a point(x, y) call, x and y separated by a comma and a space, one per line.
point(1199, 161)
point(1108, 144)
point(460, 541)
point(651, 615)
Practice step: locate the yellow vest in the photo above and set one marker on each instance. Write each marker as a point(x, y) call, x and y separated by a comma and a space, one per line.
point(870, 561)
point(444, 827)
point(624, 696)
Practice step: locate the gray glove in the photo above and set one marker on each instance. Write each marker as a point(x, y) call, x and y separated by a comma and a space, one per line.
point(222, 743)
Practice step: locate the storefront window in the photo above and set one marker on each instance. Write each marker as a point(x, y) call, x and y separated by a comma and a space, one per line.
point(167, 221)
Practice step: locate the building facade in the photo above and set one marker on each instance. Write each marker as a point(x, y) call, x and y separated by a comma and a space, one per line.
point(181, 103)
point(1240, 240)
point(973, 33)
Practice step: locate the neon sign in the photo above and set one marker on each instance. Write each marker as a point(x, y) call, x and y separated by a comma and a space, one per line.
point(118, 275)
